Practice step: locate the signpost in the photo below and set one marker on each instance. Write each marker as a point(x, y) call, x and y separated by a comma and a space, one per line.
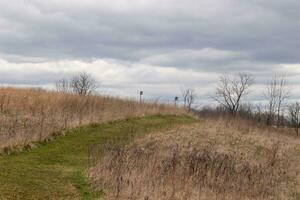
point(141, 94)
point(176, 99)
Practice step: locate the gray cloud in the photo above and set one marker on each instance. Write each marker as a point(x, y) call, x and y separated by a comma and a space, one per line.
point(266, 31)
point(138, 43)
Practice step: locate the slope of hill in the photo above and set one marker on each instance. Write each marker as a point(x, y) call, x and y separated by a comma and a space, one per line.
point(57, 169)
point(29, 115)
point(214, 159)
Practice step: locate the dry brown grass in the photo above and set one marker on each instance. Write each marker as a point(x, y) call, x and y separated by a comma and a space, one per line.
point(215, 159)
point(29, 115)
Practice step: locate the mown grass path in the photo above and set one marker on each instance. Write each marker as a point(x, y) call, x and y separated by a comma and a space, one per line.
point(57, 169)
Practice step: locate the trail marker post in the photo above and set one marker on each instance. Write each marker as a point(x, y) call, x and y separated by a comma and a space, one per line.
point(141, 94)
point(176, 99)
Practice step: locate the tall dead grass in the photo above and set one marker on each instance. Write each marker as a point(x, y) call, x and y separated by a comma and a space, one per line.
point(28, 115)
point(216, 159)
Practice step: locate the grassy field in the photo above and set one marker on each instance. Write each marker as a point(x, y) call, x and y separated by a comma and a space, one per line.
point(218, 158)
point(58, 169)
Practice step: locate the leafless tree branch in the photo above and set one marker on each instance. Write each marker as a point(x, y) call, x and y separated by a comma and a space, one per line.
point(232, 89)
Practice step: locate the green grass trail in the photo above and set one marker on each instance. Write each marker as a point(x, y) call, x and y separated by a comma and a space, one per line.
point(57, 169)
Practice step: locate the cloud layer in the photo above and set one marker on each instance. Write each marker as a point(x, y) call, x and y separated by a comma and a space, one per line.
point(148, 43)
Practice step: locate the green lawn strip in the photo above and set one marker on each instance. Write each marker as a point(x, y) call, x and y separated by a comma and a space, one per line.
point(57, 169)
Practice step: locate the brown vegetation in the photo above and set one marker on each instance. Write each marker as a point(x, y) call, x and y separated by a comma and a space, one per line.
point(214, 159)
point(28, 115)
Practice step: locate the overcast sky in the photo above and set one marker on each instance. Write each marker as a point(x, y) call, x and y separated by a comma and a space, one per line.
point(158, 46)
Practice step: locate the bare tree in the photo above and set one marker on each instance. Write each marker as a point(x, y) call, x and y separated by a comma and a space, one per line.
point(83, 84)
point(231, 90)
point(184, 93)
point(63, 86)
point(294, 116)
point(271, 96)
point(283, 94)
point(276, 93)
point(189, 96)
point(258, 113)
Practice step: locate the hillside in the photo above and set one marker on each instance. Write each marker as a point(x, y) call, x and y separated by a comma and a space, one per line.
point(215, 158)
point(99, 147)
point(30, 115)
point(58, 169)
